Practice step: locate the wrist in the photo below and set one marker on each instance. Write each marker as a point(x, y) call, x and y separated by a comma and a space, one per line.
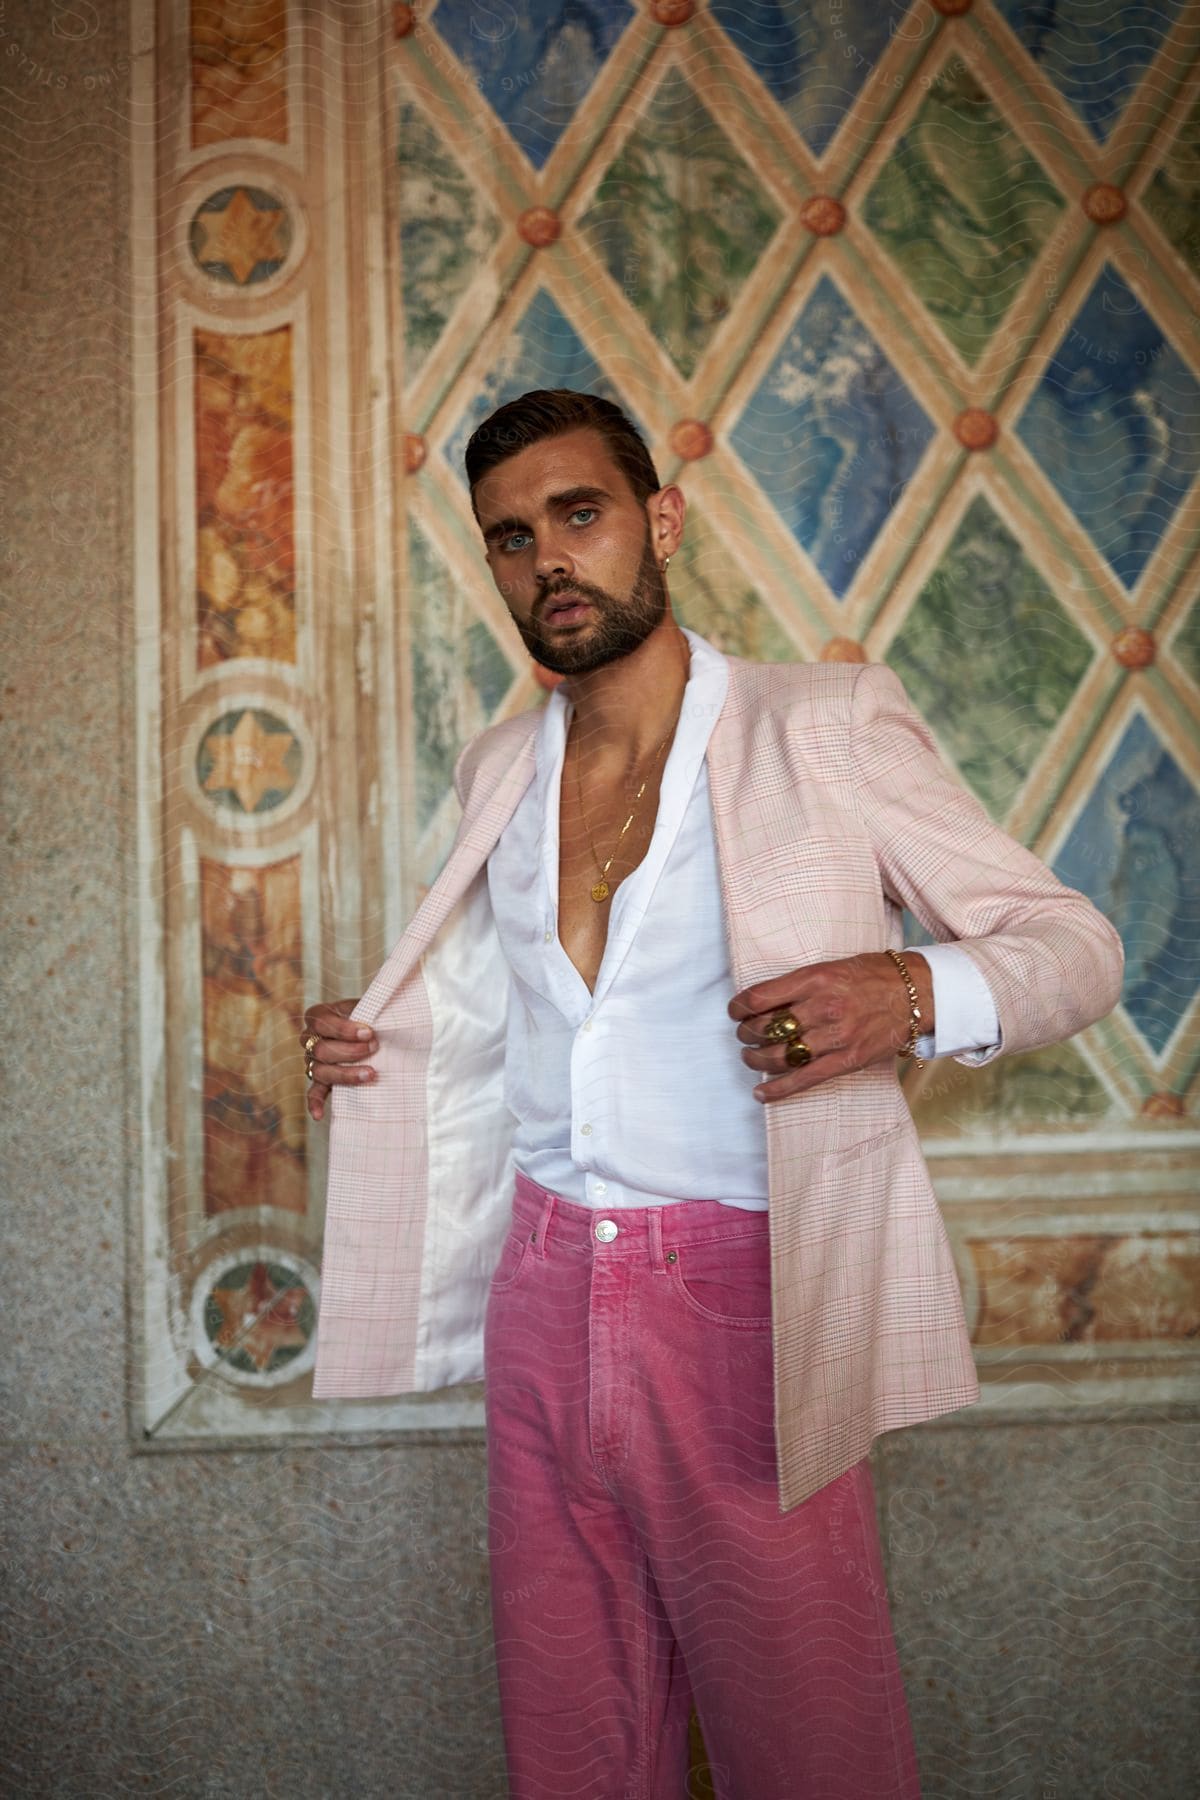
point(921, 976)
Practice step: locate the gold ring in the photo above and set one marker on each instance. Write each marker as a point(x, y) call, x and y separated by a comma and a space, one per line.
point(797, 1054)
point(783, 1025)
point(310, 1043)
point(308, 1068)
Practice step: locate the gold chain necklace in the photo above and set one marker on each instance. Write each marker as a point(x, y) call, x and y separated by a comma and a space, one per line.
point(600, 889)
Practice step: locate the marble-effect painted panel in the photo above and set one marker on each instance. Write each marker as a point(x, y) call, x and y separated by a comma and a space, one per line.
point(990, 657)
point(447, 230)
point(812, 57)
point(1135, 851)
point(245, 536)
point(253, 1109)
point(1115, 425)
point(1094, 1288)
point(714, 598)
point(832, 435)
point(460, 672)
point(1173, 196)
point(535, 63)
point(1094, 53)
point(239, 70)
point(1042, 1088)
point(544, 351)
point(963, 208)
point(680, 221)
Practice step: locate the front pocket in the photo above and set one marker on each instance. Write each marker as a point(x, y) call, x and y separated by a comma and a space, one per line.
point(726, 1280)
point(893, 1138)
point(513, 1258)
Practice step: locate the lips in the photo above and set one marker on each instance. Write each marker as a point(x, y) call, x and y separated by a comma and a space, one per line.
point(565, 603)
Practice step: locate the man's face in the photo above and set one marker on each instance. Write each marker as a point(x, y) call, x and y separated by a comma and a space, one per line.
point(559, 520)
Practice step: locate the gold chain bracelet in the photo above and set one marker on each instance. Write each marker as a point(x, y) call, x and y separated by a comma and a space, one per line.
point(910, 1048)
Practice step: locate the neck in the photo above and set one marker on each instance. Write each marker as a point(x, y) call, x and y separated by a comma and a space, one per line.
point(622, 712)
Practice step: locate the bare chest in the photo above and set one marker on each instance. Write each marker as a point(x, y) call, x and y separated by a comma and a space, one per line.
point(589, 832)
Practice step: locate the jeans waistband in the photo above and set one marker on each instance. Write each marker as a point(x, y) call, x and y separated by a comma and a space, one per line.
point(556, 1224)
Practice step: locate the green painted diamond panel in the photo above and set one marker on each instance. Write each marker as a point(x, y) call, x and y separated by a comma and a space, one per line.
point(680, 221)
point(1187, 644)
point(990, 656)
point(963, 208)
point(714, 598)
point(1173, 197)
point(460, 672)
point(446, 232)
point(1043, 1087)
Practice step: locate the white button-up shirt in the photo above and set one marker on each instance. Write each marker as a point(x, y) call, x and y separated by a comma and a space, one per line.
point(637, 1095)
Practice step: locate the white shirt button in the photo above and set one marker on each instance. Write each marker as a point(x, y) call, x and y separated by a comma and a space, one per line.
point(548, 936)
point(600, 1187)
point(587, 1024)
point(586, 1130)
point(606, 1230)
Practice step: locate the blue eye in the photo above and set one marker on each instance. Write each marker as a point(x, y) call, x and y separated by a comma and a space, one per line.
point(583, 509)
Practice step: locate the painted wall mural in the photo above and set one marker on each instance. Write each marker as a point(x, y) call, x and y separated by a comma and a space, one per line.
point(906, 297)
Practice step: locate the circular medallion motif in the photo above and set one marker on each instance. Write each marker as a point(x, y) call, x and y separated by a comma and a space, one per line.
point(259, 1317)
point(1134, 647)
point(691, 439)
point(822, 215)
point(241, 235)
point(842, 649)
point(1163, 1105)
point(1104, 204)
point(539, 226)
point(248, 761)
point(975, 429)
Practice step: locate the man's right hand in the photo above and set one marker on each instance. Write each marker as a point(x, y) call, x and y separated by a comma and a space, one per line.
point(338, 1055)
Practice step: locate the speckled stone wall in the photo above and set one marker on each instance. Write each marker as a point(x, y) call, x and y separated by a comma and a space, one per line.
point(313, 1622)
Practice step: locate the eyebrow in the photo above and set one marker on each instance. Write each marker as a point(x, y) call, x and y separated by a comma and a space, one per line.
point(575, 496)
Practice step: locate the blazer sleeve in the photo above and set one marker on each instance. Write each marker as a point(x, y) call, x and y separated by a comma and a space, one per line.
point(1053, 962)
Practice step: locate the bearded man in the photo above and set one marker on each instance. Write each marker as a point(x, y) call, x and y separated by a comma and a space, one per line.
point(618, 1130)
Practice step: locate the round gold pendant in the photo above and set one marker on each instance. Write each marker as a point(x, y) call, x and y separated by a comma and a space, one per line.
point(600, 891)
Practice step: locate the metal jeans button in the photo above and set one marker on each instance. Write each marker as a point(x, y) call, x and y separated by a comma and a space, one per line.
point(606, 1230)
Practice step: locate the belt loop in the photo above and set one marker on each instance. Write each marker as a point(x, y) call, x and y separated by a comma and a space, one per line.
point(657, 1266)
point(543, 1224)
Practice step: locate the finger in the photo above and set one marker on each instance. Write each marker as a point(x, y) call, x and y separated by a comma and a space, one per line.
point(340, 1074)
point(327, 1022)
point(797, 1081)
point(770, 997)
point(329, 1050)
point(771, 1059)
point(755, 1030)
point(315, 1100)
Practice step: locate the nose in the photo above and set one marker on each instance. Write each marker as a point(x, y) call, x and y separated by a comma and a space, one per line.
point(552, 561)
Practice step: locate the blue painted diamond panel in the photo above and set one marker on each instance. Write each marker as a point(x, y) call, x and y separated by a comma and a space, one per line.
point(544, 351)
point(832, 435)
point(1115, 424)
point(1135, 852)
point(813, 57)
point(535, 63)
point(1094, 51)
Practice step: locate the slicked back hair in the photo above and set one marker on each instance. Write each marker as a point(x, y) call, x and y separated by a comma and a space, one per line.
point(549, 412)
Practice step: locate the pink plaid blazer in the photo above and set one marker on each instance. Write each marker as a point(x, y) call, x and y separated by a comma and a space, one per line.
point(832, 809)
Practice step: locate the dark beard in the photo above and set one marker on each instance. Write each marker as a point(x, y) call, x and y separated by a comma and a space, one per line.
point(615, 629)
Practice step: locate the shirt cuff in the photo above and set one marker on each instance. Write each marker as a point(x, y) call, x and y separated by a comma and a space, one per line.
point(964, 1012)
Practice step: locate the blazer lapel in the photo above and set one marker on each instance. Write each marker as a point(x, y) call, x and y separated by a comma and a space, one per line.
point(500, 781)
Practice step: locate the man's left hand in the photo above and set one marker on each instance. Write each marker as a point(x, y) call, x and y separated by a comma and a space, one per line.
point(852, 1012)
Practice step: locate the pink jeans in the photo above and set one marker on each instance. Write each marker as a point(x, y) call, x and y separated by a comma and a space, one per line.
point(639, 1561)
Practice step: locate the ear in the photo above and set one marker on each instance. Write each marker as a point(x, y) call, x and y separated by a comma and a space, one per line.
point(665, 511)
